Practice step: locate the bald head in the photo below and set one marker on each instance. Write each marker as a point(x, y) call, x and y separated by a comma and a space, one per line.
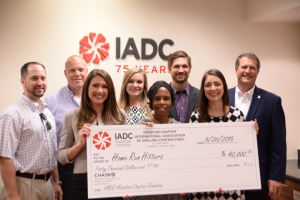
point(75, 58)
point(76, 73)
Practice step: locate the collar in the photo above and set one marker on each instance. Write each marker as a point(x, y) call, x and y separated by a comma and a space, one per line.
point(70, 91)
point(186, 89)
point(248, 95)
point(34, 105)
point(72, 95)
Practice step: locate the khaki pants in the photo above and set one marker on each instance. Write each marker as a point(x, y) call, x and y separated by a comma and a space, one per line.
point(30, 189)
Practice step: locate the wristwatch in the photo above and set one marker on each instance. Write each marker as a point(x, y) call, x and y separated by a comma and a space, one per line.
point(58, 183)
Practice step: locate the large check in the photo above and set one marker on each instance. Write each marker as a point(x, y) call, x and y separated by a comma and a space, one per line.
point(171, 158)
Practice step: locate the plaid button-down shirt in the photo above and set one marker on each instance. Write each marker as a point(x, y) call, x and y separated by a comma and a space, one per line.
point(25, 139)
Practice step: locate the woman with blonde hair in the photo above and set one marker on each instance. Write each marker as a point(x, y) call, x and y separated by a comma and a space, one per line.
point(98, 107)
point(133, 97)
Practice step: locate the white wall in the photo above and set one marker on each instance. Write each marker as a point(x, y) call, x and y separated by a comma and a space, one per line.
point(213, 32)
point(261, 10)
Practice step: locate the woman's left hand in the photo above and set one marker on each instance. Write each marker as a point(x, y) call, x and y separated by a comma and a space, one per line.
point(255, 126)
point(148, 123)
point(127, 196)
point(220, 190)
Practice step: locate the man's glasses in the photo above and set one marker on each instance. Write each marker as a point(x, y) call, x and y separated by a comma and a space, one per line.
point(48, 125)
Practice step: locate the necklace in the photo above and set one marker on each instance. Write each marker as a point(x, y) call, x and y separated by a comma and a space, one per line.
point(161, 121)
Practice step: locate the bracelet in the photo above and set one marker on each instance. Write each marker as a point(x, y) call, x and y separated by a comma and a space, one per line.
point(58, 183)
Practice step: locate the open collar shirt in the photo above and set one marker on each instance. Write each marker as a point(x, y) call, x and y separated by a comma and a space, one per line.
point(243, 100)
point(59, 103)
point(25, 139)
point(181, 101)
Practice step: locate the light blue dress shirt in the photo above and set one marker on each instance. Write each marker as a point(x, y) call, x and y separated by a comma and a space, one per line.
point(59, 103)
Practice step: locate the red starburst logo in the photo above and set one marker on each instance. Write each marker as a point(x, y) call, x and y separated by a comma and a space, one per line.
point(85, 43)
point(101, 140)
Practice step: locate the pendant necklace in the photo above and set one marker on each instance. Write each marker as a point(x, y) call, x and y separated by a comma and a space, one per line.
point(161, 121)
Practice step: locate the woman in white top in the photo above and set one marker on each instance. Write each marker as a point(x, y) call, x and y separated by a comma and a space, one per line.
point(133, 97)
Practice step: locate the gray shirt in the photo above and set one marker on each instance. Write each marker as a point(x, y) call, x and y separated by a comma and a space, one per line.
point(69, 135)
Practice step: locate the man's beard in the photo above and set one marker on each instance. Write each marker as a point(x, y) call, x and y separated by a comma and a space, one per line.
point(180, 81)
point(33, 93)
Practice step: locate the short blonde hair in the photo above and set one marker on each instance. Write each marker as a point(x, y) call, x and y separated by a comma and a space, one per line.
point(124, 97)
point(73, 58)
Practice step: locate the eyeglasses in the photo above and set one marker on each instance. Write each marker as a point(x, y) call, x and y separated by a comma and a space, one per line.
point(48, 125)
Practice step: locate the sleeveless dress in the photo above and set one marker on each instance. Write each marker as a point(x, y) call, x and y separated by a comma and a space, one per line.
point(234, 115)
point(135, 113)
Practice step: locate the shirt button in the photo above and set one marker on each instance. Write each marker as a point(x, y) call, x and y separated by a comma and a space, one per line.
point(181, 97)
point(181, 107)
point(181, 118)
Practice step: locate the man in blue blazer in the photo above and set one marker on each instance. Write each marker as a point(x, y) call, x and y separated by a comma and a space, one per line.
point(179, 65)
point(266, 107)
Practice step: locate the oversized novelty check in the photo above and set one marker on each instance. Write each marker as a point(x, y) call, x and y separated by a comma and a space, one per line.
point(171, 158)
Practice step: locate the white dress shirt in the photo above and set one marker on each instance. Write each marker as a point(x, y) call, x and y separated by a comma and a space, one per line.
point(243, 101)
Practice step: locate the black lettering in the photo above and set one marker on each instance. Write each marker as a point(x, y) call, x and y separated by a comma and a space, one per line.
point(154, 50)
point(160, 48)
point(118, 50)
point(127, 50)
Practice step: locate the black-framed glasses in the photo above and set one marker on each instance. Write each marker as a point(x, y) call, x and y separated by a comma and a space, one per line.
point(48, 125)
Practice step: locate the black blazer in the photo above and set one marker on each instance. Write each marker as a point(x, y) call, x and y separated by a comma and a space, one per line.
point(191, 105)
point(271, 139)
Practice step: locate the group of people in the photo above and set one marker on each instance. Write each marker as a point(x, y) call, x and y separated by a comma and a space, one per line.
point(34, 134)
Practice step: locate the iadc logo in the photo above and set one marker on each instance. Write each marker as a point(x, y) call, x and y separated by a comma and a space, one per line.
point(101, 140)
point(84, 42)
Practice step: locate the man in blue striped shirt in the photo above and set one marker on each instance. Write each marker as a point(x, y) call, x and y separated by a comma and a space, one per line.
point(63, 100)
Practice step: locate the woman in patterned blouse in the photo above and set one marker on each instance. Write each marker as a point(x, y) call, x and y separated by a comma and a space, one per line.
point(213, 107)
point(133, 95)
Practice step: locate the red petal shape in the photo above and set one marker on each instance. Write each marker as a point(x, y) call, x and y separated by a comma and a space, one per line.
point(88, 56)
point(96, 137)
point(94, 142)
point(100, 38)
point(103, 148)
point(92, 35)
point(85, 41)
point(107, 144)
point(98, 146)
point(105, 135)
point(96, 60)
point(109, 139)
point(105, 46)
point(82, 49)
point(103, 53)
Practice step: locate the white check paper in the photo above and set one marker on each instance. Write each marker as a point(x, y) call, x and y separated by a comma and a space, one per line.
point(171, 158)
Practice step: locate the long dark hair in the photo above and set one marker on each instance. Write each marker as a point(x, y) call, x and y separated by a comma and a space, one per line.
point(202, 99)
point(111, 113)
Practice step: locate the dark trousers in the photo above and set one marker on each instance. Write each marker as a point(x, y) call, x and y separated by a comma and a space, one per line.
point(263, 195)
point(80, 190)
point(66, 177)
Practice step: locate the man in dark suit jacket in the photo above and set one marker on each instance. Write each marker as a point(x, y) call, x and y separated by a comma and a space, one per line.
point(179, 64)
point(266, 107)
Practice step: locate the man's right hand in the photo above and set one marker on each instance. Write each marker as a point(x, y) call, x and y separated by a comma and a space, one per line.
point(14, 197)
point(8, 174)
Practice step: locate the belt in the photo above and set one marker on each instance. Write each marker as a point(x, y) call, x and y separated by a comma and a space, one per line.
point(34, 176)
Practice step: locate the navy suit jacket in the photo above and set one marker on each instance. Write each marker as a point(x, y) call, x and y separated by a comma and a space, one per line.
point(191, 105)
point(266, 108)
